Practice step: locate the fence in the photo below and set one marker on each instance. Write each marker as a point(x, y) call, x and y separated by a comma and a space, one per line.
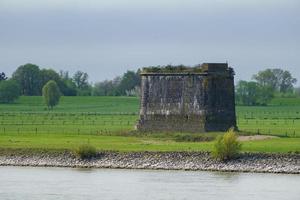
point(270, 123)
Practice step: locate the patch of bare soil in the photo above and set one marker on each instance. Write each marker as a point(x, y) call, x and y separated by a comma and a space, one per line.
point(255, 137)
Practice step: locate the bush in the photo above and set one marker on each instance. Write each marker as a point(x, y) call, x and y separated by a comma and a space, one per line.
point(85, 151)
point(51, 94)
point(226, 146)
point(9, 91)
point(193, 138)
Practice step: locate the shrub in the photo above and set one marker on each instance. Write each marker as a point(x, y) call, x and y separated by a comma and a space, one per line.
point(193, 138)
point(85, 151)
point(51, 94)
point(9, 91)
point(226, 146)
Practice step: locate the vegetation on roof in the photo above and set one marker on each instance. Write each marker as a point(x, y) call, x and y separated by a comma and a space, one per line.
point(172, 69)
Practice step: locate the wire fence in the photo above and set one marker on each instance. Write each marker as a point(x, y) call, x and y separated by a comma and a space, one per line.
point(286, 124)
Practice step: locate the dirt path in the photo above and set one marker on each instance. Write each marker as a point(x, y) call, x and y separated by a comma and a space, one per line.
point(255, 137)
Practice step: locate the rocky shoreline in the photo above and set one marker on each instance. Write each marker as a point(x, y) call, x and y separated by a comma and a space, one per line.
point(247, 162)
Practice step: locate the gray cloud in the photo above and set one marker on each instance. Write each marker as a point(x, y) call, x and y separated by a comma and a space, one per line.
point(107, 39)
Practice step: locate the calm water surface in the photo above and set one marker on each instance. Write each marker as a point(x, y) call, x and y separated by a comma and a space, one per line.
point(66, 183)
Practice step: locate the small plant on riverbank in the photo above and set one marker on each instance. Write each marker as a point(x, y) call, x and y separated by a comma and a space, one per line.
point(85, 151)
point(193, 138)
point(227, 146)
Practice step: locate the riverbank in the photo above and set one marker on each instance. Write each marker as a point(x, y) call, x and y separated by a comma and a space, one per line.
point(247, 162)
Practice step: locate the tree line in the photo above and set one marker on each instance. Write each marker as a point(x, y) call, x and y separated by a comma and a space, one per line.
point(265, 85)
point(29, 80)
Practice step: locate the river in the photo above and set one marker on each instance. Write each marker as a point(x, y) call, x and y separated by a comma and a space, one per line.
point(73, 183)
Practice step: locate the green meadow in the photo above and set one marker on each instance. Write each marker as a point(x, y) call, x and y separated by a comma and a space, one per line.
point(108, 123)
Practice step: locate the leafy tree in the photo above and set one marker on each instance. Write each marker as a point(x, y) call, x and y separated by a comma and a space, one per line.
point(2, 76)
point(128, 85)
point(107, 87)
point(87, 91)
point(64, 75)
point(251, 93)
point(68, 87)
point(29, 78)
point(247, 93)
point(267, 78)
point(49, 74)
point(100, 88)
point(129, 81)
point(51, 94)
point(104, 88)
point(276, 80)
point(81, 79)
point(9, 91)
point(265, 95)
point(286, 83)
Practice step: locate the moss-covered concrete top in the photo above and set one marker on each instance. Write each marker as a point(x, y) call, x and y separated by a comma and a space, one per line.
point(182, 69)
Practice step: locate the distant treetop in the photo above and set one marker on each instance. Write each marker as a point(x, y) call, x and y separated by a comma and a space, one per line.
point(2, 76)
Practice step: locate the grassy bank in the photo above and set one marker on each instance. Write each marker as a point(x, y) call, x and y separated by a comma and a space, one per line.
point(60, 142)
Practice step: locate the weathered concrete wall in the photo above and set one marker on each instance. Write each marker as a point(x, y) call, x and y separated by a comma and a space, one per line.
point(191, 102)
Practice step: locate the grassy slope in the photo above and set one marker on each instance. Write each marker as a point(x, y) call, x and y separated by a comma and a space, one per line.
point(121, 143)
point(104, 105)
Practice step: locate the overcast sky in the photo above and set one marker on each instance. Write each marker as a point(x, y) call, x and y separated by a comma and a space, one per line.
point(106, 38)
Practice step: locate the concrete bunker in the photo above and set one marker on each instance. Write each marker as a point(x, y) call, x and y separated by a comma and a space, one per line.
point(187, 99)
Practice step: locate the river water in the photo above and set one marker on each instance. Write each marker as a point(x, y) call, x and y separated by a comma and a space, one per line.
point(68, 183)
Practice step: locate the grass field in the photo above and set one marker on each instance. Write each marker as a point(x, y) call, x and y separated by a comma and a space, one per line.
point(108, 105)
point(106, 122)
point(121, 143)
point(271, 120)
